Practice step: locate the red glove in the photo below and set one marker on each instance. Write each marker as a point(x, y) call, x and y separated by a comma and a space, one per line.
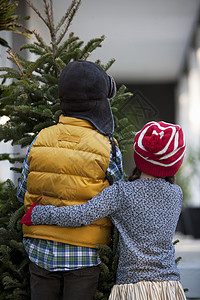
point(27, 217)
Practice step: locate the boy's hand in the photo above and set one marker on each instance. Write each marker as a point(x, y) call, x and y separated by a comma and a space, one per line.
point(27, 217)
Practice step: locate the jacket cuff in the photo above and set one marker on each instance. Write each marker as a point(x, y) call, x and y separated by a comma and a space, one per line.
point(27, 217)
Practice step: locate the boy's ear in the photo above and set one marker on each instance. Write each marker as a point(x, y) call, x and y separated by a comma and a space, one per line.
point(112, 91)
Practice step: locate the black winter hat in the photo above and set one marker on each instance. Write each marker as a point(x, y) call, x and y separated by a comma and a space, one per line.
point(84, 90)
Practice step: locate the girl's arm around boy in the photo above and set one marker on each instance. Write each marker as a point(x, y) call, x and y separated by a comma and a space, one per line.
point(104, 204)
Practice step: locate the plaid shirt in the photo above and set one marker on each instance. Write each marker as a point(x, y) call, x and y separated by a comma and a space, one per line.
point(55, 256)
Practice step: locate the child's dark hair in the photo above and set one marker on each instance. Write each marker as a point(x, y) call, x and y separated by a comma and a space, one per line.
point(137, 173)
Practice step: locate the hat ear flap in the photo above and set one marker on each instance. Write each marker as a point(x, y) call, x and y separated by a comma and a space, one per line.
point(113, 89)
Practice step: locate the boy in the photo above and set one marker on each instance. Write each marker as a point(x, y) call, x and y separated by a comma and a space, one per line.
point(66, 164)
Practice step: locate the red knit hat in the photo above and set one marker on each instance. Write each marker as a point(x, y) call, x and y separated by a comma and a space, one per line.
point(159, 149)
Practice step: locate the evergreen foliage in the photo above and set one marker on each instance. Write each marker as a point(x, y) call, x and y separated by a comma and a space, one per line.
point(14, 274)
point(9, 21)
point(31, 103)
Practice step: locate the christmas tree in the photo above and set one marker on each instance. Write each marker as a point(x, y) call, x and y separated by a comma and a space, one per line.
point(31, 103)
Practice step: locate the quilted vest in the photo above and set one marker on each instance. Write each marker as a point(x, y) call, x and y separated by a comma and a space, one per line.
point(67, 165)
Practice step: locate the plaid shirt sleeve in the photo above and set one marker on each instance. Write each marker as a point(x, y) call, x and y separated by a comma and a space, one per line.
point(115, 168)
point(22, 185)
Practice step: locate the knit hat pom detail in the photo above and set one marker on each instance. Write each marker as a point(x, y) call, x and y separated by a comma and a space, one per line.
point(155, 142)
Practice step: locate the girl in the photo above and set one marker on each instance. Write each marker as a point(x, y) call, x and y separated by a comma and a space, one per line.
point(145, 211)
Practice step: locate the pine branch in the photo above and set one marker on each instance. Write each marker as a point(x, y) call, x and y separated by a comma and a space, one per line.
point(178, 259)
point(49, 14)
point(37, 12)
point(15, 217)
point(120, 97)
point(49, 79)
point(24, 83)
point(33, 66)
point(33, 49)
point(41, 41)
point(59, 63)
point(73, 9)
point(6, 156)
point(64, 46)
point(91, 46)
point(104, 268)
point(12, 54)
point(11, 72)
point(8, 20)
point(40, 126)
point(109, 64)
point(22, 61)
point(74, 3)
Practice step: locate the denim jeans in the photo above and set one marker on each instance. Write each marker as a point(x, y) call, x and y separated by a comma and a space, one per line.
point(77, 284)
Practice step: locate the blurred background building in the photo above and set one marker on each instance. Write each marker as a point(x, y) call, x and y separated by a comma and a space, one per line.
point(156, 45)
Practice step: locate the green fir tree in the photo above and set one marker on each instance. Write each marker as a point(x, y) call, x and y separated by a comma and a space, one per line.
point(31, 103)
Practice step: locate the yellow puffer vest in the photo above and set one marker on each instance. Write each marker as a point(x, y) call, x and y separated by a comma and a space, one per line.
point(67, 164)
